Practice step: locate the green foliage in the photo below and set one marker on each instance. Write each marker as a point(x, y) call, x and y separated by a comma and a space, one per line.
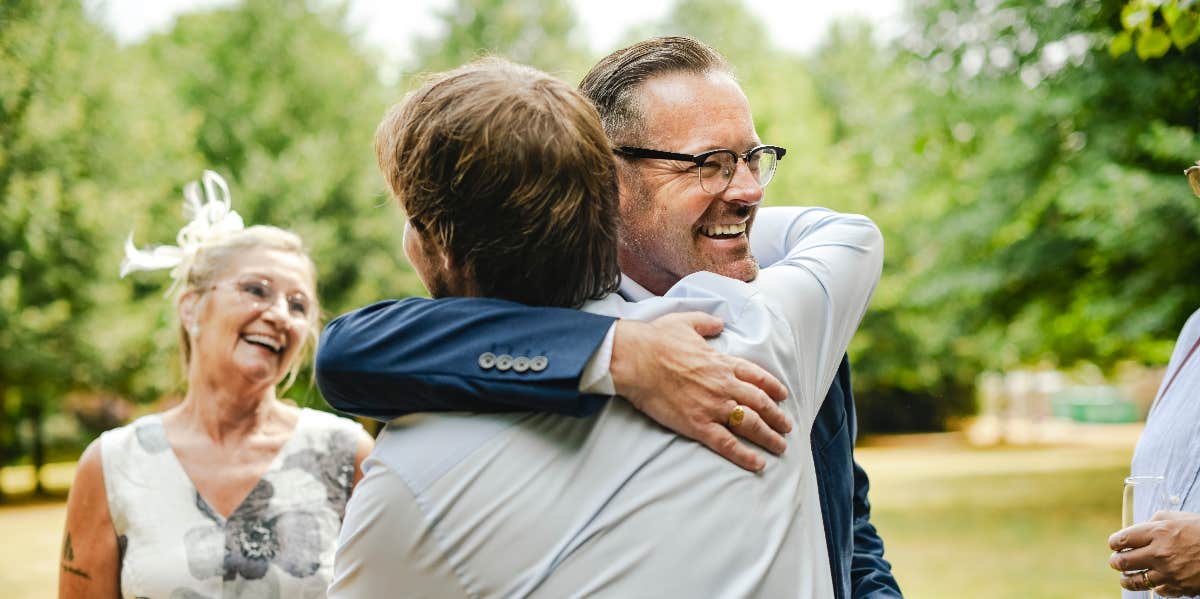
point(286, 108)
point(725, 25)
point(541, 33)
point(96, 142)
point(76, 158)
point(1153, 26)
point(1035, 197)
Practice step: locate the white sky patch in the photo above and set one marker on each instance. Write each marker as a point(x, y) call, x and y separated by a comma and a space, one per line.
point(391, 26)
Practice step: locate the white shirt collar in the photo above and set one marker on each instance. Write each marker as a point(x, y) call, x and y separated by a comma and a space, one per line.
point(632, 291)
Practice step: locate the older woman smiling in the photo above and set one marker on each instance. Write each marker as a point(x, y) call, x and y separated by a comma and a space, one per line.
point(232, 492)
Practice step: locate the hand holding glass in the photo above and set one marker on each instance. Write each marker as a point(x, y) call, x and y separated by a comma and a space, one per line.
point(1141, 491)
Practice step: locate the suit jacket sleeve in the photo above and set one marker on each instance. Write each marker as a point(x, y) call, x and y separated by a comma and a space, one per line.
point(870, 574)
point(418, 355)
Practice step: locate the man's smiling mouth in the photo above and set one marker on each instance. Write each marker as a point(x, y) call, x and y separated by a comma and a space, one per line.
point(723, 231)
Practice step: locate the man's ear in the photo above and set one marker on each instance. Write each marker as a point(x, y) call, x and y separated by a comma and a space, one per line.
point(438, 253)
point(629, 182)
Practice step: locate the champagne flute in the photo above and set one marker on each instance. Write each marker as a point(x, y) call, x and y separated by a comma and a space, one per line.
point(1142, 495)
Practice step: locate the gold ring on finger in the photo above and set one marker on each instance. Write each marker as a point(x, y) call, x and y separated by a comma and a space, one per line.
point(1146, 579)
point(736, 416)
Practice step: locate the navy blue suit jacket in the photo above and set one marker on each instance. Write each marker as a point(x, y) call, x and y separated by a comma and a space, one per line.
point(418, 355)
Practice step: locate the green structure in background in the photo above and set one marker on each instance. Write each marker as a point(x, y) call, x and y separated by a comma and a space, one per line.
point(1099, 404)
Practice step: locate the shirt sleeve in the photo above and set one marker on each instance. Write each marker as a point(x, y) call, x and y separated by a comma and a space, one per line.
point(768, 238)
point(822, 285)
point(597, 375)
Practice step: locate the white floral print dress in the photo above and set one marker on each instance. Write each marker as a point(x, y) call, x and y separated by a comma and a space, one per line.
point(279, 542)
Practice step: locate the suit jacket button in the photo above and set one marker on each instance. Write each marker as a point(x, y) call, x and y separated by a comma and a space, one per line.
point(504, 362)
point(520, 363)
point(487, 360)
point(539, 363)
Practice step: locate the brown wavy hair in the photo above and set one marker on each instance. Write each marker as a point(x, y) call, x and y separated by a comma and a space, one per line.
point(508, 171)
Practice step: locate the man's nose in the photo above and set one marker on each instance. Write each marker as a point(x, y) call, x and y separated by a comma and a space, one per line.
point(744, 188)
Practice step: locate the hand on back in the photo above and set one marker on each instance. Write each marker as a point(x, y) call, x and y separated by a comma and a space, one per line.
point(666, 369)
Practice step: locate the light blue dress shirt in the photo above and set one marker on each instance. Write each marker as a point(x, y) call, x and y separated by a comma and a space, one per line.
point(1170, 445)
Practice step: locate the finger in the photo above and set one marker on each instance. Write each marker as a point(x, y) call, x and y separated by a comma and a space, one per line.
point(1132, 581)
point(753, 429)
point(722, 442)
point(1172, 515)
point(706, 325)
point(755, 375)
point(754, 399)
point(1136, 580)
point(1131, 537)
point(1132, 561)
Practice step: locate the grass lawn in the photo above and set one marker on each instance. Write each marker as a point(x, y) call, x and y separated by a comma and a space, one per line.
point(32, 538)
point(958, 522)
point(998, 523)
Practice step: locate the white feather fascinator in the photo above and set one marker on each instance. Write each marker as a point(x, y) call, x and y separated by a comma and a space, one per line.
point(209, 218)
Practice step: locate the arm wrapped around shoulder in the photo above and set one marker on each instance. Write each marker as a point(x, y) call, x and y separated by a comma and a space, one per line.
point(459, 354)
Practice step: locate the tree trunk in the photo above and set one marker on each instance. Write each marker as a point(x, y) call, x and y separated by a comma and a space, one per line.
point(4, 437)
point(38, 452)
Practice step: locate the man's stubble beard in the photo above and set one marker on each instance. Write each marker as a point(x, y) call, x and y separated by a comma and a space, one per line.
point(641, 250)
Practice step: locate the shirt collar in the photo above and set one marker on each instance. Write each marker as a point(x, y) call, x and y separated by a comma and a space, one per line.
point(631, 291)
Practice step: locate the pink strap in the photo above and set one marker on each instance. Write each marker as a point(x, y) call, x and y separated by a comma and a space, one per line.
point(1181, 365)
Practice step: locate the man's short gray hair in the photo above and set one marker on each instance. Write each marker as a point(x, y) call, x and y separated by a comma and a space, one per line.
point(612, 84)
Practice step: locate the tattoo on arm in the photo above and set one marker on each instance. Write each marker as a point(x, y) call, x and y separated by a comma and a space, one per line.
point(76, 571)
point(68, 555)
point(68, 551)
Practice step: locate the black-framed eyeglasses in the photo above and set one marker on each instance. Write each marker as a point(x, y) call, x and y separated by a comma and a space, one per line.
point(716, 167)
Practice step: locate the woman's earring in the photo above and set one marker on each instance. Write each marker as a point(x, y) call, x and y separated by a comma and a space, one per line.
point(194, 331)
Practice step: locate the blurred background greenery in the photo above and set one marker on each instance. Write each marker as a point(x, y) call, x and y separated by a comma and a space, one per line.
point(1022, 157)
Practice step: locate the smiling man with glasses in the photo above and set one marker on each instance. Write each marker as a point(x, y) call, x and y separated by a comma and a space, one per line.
point(692, 208)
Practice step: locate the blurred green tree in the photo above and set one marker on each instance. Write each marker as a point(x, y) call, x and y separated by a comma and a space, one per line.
point(1152, 27)
point(1045, 219)
point(907, 374)
point(287, 107)
point(540, 33)
point(80, 149)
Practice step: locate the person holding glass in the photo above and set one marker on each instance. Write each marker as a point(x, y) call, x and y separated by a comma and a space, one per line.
point(1162, 552)
point(231, 493)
